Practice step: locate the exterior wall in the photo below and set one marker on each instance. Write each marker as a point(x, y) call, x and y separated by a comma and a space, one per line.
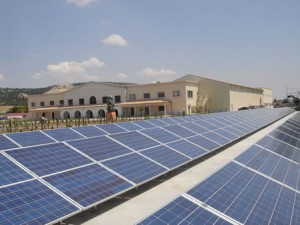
point(179, 103)
point(268, 97)
point(244, 97)
point(46, 98)
point(218, 94)
point(94, 89)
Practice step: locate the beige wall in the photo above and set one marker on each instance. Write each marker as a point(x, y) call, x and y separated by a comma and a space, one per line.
point(218, 94)
point(241, 96)
point(268, 97)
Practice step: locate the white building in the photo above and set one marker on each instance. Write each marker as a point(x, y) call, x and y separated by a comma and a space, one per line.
point(188, 94)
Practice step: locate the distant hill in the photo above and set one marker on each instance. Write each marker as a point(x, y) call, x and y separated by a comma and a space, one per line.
point(18, 96)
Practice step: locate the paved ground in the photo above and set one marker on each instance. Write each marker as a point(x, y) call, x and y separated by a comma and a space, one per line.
point(138, 204)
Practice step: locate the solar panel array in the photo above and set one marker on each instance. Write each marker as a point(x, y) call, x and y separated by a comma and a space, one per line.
point(260, 186)
point(47, 176)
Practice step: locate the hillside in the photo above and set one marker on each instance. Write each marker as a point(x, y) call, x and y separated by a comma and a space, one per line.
point(18, 96)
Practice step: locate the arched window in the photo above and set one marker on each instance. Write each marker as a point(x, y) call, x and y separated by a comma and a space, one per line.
point(66, 115)
point(117, 112)
point(101, 113)
point(77, 115)
point(93, 100)
point(89, 114)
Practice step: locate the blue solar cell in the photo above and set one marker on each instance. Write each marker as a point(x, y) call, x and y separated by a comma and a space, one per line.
point(285, 138)
point(194, 127)
point(111, 128)
point(234, 131)
point(100, 148)
point(206, 125)
point(63, 134)
point(144, 124)
point(248, 155)
point(157, 122)
point(160, 135)
point(216, 123)
point(130, 126)
point(6, 143)
point(216, 138)
point(182, 211)
point(135, 140)
point(179, 120)
point(204, 142)
point(135, 167)
point(290, 132)
point(226, 134)
point(47, 159)
point(212, 184)
point(89, 131)
point(296, 211)
point(187, 148)
point(10, 172)
point(30, 138)
point(166, 156)
point(32, 202)
point(179, 131)
point(168, 121)
point(88, 185)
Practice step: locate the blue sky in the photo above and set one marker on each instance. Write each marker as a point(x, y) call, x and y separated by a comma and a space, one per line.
point(253, 43)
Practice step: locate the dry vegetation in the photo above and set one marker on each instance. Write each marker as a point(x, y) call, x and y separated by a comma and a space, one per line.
point(4, 109)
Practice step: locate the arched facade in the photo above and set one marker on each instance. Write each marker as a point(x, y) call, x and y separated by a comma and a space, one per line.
point(93, 100)
point(66, 115)
point(89, 114)
point(101, 113)
point(77, 115)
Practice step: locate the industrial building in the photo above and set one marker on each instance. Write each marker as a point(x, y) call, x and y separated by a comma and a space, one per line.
point(186, 95)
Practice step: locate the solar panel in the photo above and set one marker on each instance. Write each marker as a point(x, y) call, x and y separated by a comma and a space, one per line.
point(206, 125)
point(160, 135)
point(157, 122)
point(30, 138)
point(111, 128)
point(89, 131)
point(234, 131)
point(6, 143)
point(168, 121)
point(226, 134)
point(179, 119)
point(193, 127)
point(48, 159)
point(166, 156)
point(286, 138)
point(63, 134)
point(290, 132)
point(135, 167)
point(216, 138)
point(100, 148)
point(140, 141)
point(204, 142)
point(11, 173)
point(183, 211)
point(144, 124)
point(32, 202)
point(187, 148)
point(217, 123)
point(88, 185)
point(130, 126)
point(179, 131)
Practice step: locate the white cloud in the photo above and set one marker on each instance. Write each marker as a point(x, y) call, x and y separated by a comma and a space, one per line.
point(74, 67)
point(36, 76)
point(2, 77)
point(115, 39)
point(71, 71)
point(150, 72)
point(80, 3)
point(122, 75)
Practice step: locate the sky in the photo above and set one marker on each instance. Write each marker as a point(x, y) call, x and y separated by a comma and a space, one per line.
point(253, 43)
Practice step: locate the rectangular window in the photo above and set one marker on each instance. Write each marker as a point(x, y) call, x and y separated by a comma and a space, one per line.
point(190, 94)
point(42, 103)
point(70, 102)
point(104, 100)
point(161, 94)
point(176, 93)
point(61, 102)
point(117, 99)
point(161, 108)
point(51, 102)
point(146, 95)
point(81, 101)
point(32, 104)
point(132, 97)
